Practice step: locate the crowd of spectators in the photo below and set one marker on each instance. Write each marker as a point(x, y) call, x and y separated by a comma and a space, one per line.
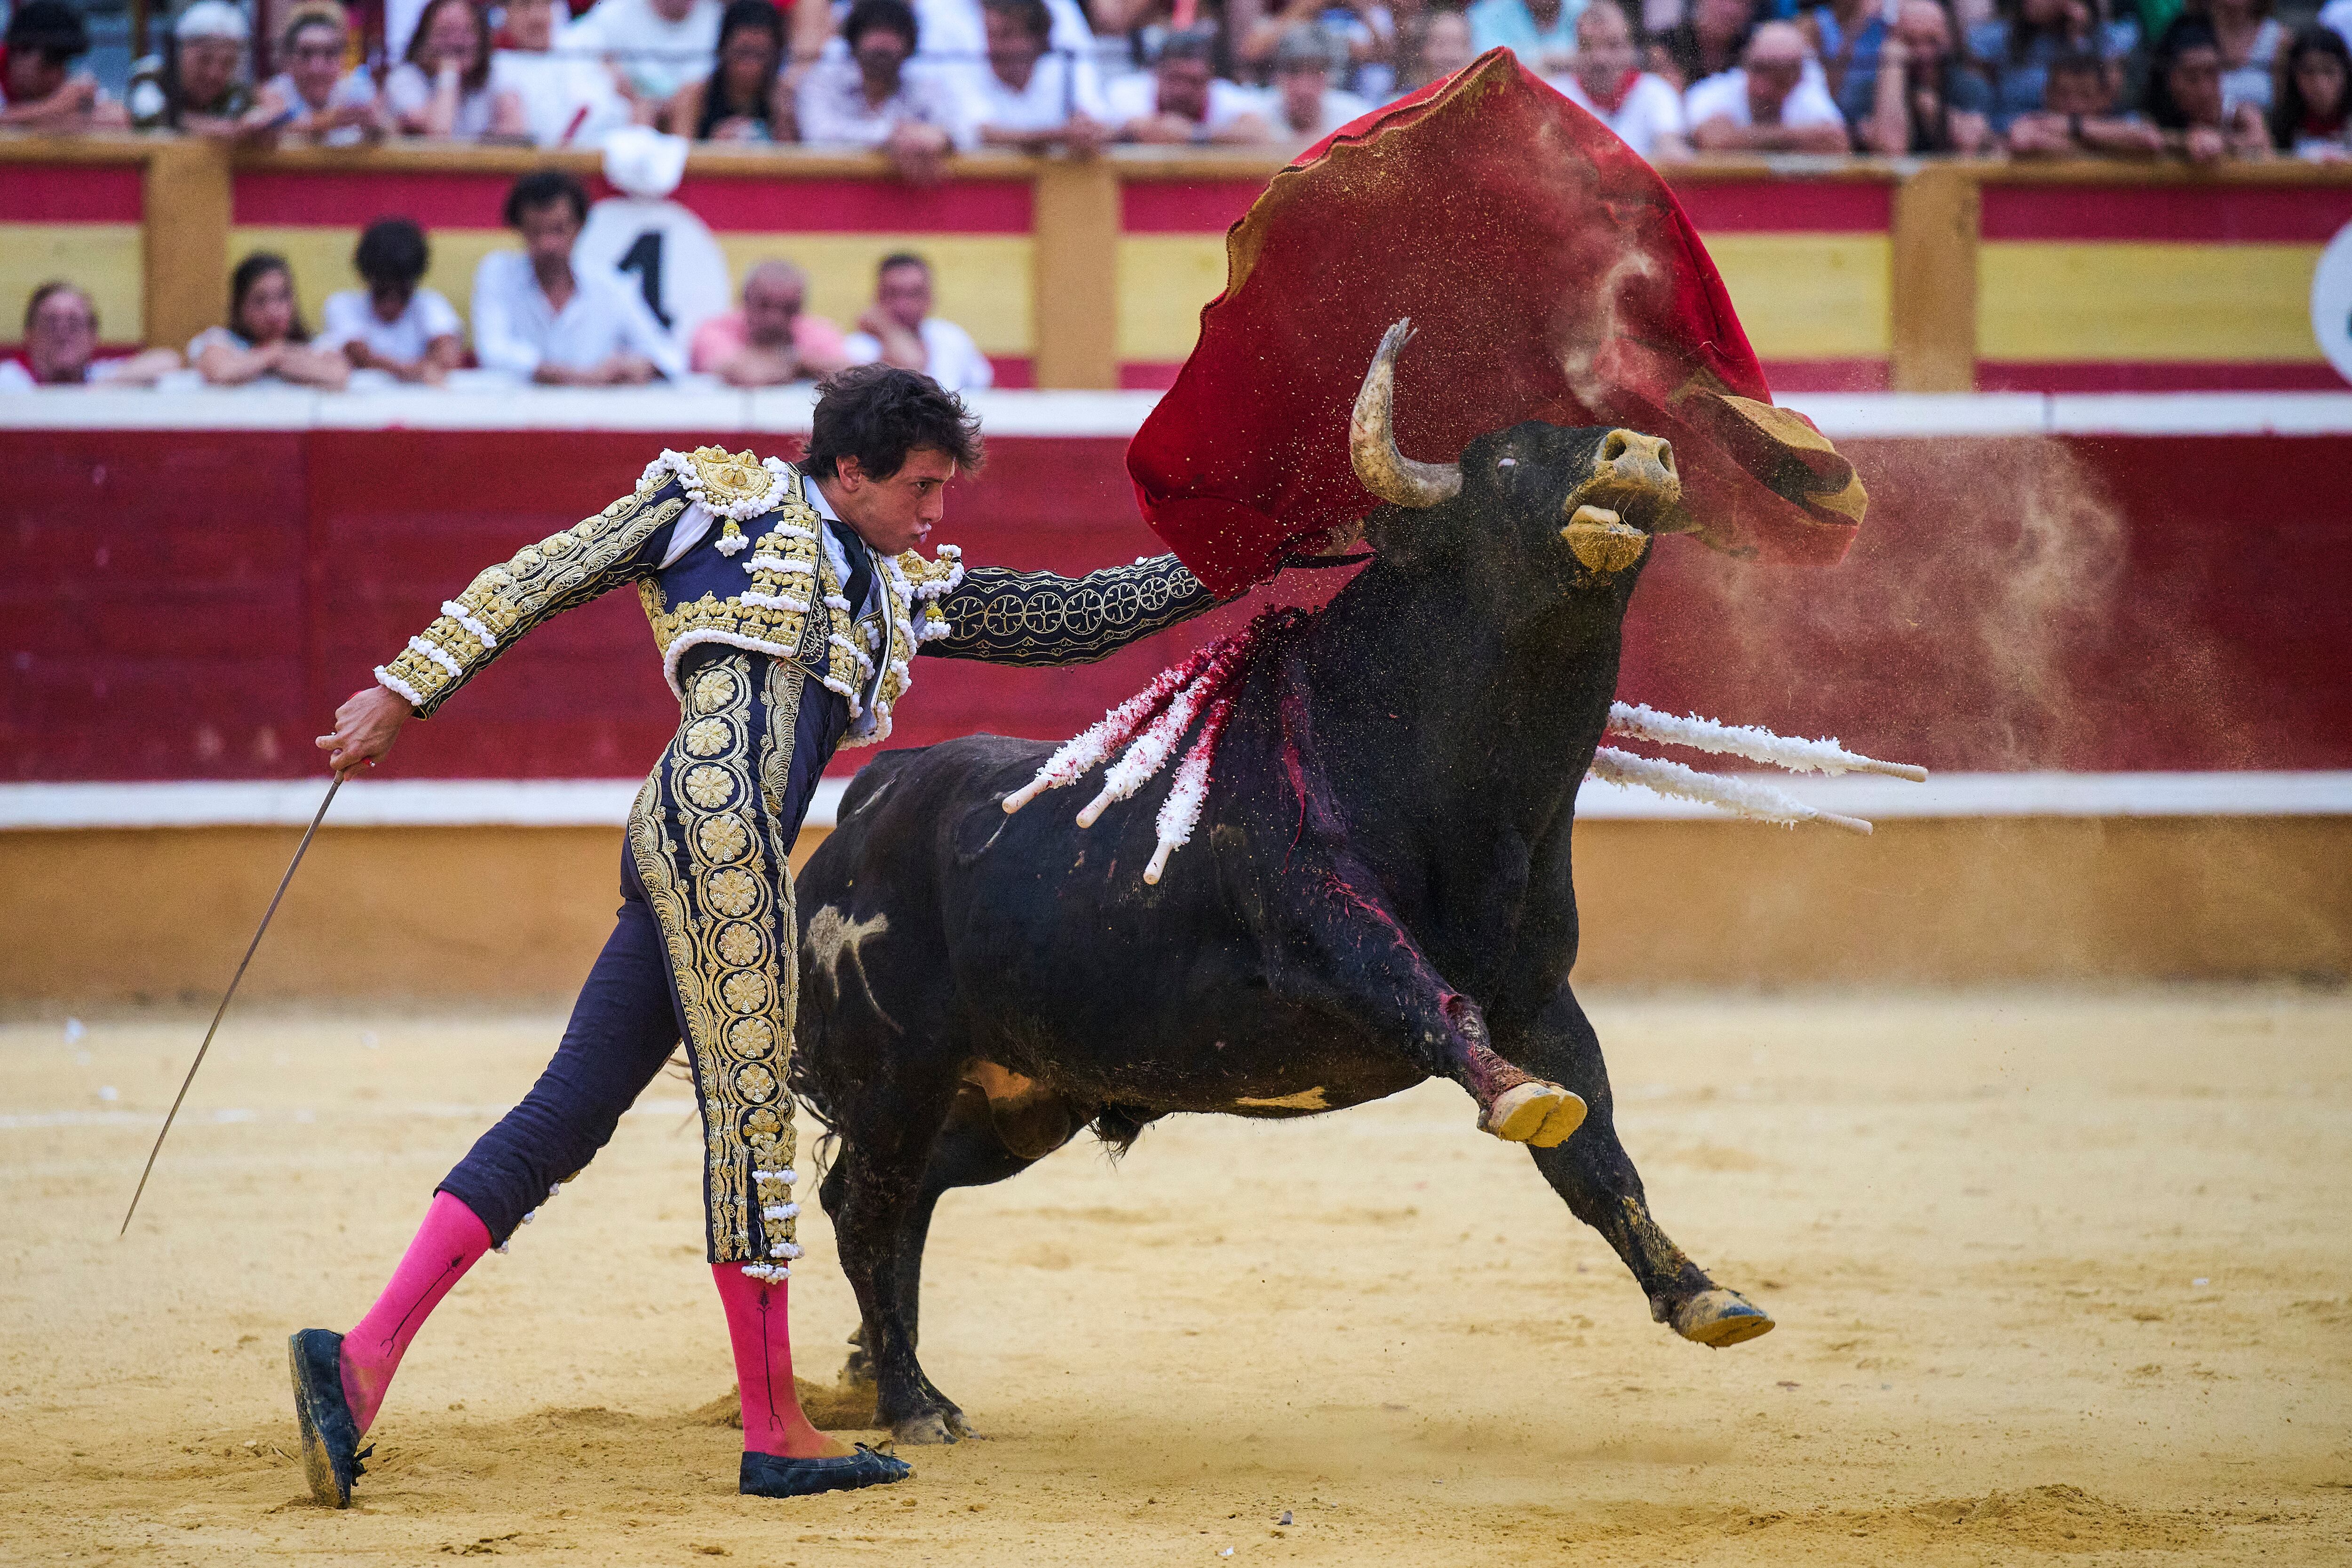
point(541, 315)
point(924, 81)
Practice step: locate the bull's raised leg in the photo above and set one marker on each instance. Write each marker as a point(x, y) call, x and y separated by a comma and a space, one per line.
point(1593, 1172)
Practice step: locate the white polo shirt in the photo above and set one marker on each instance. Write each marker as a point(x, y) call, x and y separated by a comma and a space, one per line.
point(350, 316)
point(516, 331)
point(1725, 95)
point(955, 361)
point(1056, 89)
point(1652, 108)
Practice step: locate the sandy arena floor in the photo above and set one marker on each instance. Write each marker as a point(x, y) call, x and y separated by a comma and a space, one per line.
point(2056, 1276)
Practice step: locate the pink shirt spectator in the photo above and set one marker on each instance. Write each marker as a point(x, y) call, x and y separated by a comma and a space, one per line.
point(721, 336)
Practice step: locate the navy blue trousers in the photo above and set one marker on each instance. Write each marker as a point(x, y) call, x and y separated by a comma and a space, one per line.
point(624, 1027)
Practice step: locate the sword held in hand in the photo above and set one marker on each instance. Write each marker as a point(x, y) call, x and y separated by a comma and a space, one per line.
point(221, 1011)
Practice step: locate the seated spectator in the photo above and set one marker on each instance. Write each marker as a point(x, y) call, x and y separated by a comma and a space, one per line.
point(1767, 105)
point(62, 348)
point(392, 325)
point(1363, 34)
point(1711, 43)
point(1024, 98)
point(1608, 82)
point(773, 338)
point(197, 85)
point(1306, 106)
point(537, 318)
point(1845, 35)
point(264, 338)
point(568, 100)
point(656, 46)
point(898, 328)
point(1925, 100)
point(443, 89)
point(1542, 32)
point(1184, 100)
point(314, 99)
point(1443, 48)
point(872, 99)
point(2185, 98)
point(2077, 119)
point(744, 97)
point(39, 90)
point(2249, 39)
point(2018, 47)
point(2314, 91)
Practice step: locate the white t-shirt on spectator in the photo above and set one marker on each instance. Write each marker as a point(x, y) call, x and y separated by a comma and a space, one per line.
point(658, 55)
point(1652, 108)
point(955, 361)
point(355, 90)
point(350, 316)
point(408, 89)
point(554, 89)
point(1055, 89)
point(1338, 109)
point(1725, 96)
point(834, 113)
point(15, 376)
point(1137, 98)
point(515, 331)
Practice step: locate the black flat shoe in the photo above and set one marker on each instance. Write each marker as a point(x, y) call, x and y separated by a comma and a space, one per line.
point(773, 1475)
point(331, 1438)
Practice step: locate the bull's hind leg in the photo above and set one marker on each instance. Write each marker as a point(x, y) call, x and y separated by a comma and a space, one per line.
point(1593, 1172)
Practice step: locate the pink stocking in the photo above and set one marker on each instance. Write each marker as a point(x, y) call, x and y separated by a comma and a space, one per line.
point(760, 1325)
point(450, 1242)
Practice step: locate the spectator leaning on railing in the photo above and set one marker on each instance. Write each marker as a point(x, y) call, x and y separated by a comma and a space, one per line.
point(1768, 104)
point(2310, 118)
point(2249, 40)
point(898, 328)
point(62, 348)
point(1846, 35)
point(265, 339)
point(313, 98)
point(873, 97)
point(196, 85)
point(1605, 80)
point(392, 325)
point(1182, 99)
point(2078, 119)
point(1441, 49)
point(1306, 106)
point(39, 90)
point(1925, 102)
point(773, 338)
point(2185, 98)
point(443, 89)
point(1709, 43)
point(1022, 97)
point(538, 317)
point(2016, 48)
point(744, 97)
point(568, 100)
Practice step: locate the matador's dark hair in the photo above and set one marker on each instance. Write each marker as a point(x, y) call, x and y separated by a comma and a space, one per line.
point(878, 414)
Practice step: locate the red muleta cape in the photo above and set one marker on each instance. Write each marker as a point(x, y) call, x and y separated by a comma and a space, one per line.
point(1550, 275)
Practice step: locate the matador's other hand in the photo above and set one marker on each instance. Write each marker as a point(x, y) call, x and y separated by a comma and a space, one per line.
point(365, 728)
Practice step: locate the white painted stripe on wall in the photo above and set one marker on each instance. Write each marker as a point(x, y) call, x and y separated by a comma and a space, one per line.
point(719, 411)
point(604, 802)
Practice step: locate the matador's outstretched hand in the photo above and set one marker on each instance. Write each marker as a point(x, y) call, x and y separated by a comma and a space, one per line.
point(365, 728)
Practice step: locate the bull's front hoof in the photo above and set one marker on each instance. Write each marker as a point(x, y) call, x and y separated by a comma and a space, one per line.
point(932, 1426)
point(1537, 1114)
point(1719, 1318)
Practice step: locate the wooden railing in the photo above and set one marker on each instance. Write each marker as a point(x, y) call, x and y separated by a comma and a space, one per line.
point(1853, 274)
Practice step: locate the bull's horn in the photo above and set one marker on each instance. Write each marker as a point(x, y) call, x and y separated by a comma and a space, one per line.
point(1371, 437)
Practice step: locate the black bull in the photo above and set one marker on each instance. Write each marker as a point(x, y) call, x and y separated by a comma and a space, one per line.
point(1379, 892)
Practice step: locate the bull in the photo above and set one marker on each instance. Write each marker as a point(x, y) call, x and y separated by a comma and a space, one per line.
point(1385, 895)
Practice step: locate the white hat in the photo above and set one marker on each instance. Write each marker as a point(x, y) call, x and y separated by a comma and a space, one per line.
point(641, 161)
point(212, 19)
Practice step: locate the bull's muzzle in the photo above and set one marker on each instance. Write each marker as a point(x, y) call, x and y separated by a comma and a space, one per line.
point(1611, 514)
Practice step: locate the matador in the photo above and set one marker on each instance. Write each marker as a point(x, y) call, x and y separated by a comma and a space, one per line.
point(786, 603)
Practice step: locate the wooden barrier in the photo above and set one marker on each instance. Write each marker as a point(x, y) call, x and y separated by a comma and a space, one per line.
point(1849, 275)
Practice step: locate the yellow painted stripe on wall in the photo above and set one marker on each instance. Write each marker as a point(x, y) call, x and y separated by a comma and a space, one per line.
point(2110, 302)
point(1801, 296)
point(981, 282)
point(108, 260)
point(1810, 296)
